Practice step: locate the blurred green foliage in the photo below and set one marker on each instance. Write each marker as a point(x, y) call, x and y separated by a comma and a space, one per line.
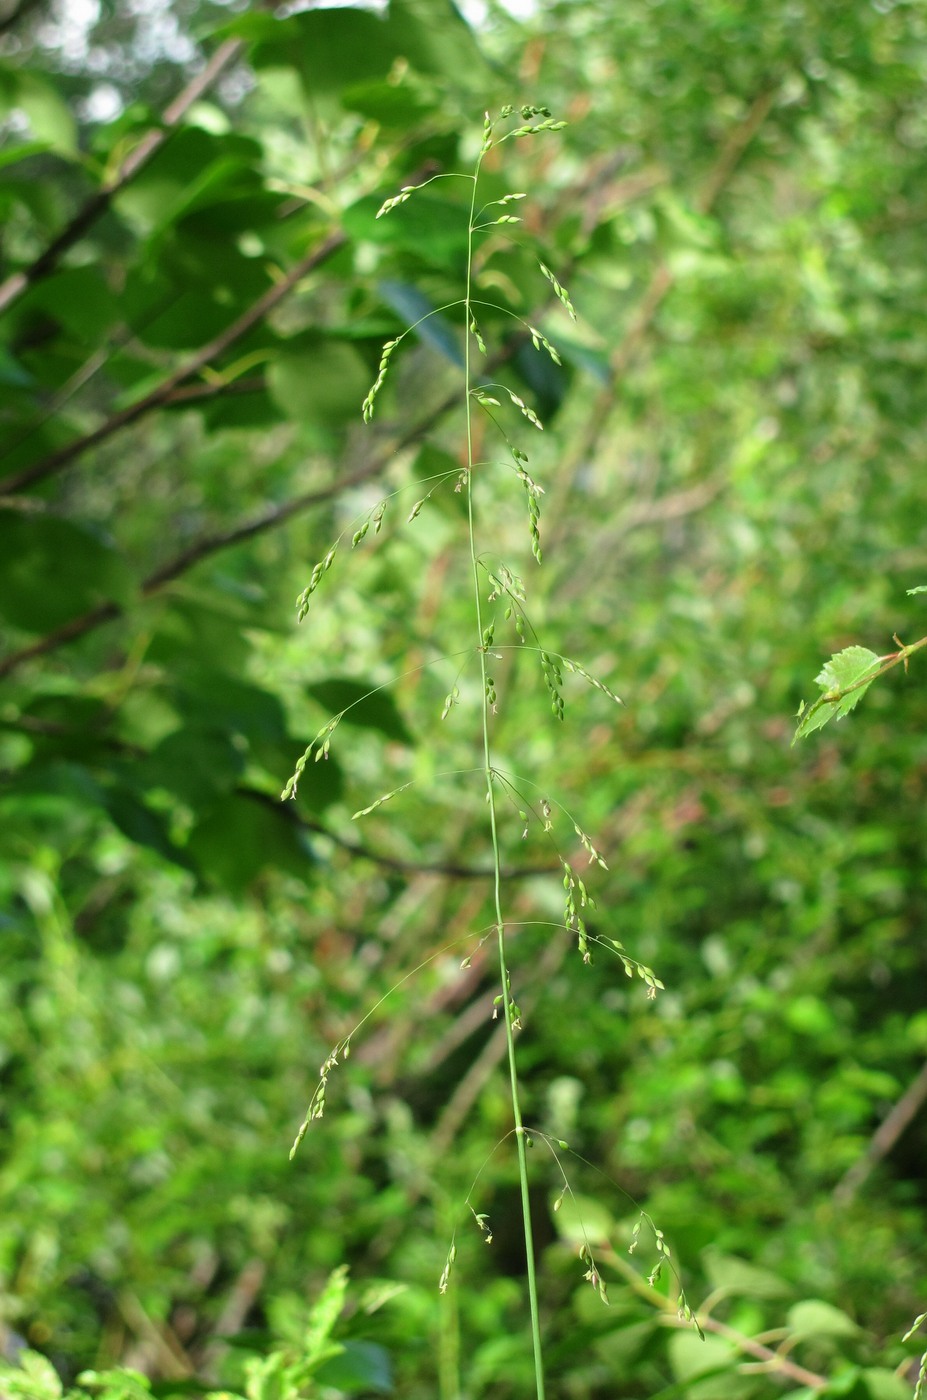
point(733, 488)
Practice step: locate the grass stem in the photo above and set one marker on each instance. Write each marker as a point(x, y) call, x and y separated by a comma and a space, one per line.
point(493, 823)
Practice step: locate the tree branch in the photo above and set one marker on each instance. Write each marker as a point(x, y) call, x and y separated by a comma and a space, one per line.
point(469, 1088)
point(212, 543)
point(361, 851)
point(774, 1361)
point(20, 282)
point(884, 1138)
point(165, 391)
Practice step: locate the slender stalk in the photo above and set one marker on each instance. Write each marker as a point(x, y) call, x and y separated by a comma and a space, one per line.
point(493, 823)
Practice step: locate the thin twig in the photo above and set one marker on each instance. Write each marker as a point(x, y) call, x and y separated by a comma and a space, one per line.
point(162, 394)
point(772, 1360)
point(884, 1138)
point(359, 850)
point(492, 1054)
point(157, 1338)
point(211, 543)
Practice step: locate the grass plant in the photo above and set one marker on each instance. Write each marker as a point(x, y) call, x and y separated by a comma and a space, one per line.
point(497, 588)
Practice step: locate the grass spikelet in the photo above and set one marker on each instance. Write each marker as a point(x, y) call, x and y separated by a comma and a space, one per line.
point(367, 405)
point(577, 669)
point(317, 749)
point(315, 578)
point(560, 292)
point(528, 412)
point(538, 339)
point(405, 193)
point(316, 1107)
point(387, 796)
point(446, 1271)
point(594, 856)
point(553, 678)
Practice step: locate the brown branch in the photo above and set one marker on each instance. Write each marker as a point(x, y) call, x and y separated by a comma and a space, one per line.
point(674, 506)
point(193, 393)
point(17, 284)
point(69, 632)
point(212, 543)
point(157, 1340)
point(662, 279)
point(738, 140)
point(493, 1052)
point(31, 724)
point(772, 1360)
point(884, 1138)
point(209, 544)
point(404, 867)
point(161, 395)
point(776, 1361)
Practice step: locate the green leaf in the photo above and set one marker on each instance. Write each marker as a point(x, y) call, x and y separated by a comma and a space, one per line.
point(921, 588)
point(79, 299)
point(13, 154)
point(199, 765)
point(122, 1384)
point(52, 570)
point(436, 39)
point(330, 48)
point(840, 680)
point(35, 1378)
point(49, 115)
point(384, 102)
point(12, 373)
point(433, 229)
point(411, 305)
point(583, 1218)
point(141, 824)
point(325, 1312)
point(690, 1357)
point(882, 1384)
point(367, 711)
point(813, 1317)
point(741, 1279)
point(845, 669)
point(360, 1368)
point(66, 726)
point(244, 836)
point(195, 168)
point(319, 382)
point(214, 700)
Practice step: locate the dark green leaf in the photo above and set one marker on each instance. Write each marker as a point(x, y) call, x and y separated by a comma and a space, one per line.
point(243, 837)
point(319, 382)
point(361, 1367)
point(53, 569)
point(368, 711)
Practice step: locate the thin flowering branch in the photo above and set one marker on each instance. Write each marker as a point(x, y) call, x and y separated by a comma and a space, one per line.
point(496, 400)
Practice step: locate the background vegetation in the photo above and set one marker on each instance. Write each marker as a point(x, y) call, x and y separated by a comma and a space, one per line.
point(195, 299)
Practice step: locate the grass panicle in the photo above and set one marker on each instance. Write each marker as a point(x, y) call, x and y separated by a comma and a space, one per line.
point(504, 585)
